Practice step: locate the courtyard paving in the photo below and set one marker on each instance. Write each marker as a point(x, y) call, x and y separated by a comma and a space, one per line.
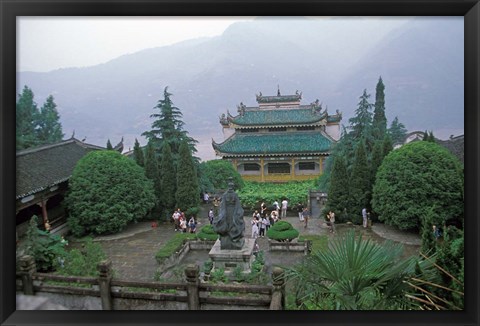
point(132, 251)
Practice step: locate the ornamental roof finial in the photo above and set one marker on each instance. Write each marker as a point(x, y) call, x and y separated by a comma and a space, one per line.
point(278, 90)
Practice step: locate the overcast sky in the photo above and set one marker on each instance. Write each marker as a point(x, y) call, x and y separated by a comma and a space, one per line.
point(48, 43)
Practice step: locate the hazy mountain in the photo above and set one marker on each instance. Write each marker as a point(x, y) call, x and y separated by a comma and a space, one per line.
point(420, 61)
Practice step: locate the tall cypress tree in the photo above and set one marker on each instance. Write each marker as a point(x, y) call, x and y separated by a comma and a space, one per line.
point(138, 153)
point(109, 145)
point(188, 190)
point(168, 180)
point(379, 118)
point(360, 183)
point(49, 128)
point(152, 172)
point(338, 193)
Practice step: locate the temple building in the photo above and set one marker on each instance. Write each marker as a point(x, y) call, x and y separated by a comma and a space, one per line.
point(42, 181)
point(280, 139)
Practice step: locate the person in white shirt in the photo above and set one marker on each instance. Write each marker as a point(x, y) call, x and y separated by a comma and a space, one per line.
point(284, 208)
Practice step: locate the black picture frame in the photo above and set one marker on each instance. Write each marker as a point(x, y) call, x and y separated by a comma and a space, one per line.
point(10, 9)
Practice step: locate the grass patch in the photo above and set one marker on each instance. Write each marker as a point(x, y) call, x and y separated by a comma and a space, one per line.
point(173, 245)
point(319, 242)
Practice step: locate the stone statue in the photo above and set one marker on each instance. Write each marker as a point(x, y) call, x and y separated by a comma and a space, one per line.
point(229, 222)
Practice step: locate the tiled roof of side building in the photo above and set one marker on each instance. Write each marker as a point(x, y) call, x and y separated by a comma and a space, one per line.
point(278, 98)
point(279, 117)
point(275, 143)
point(45, 166)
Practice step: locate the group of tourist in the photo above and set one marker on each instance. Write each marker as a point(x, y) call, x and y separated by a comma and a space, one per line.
point(181, 224)
point(261, 223)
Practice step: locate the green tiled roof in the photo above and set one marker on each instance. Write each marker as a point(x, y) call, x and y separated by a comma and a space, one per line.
point(274, 144)
point(278, 117)
point(45, 166)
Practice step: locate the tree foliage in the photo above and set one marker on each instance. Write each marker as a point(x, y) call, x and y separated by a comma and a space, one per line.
point(339, 195)
point(397, 131)
point(360, 189)
point(138, 153)
point(361, 122)
point(214, 176)
point(188, 191)
point(43, 246)
point(379, 118)
point(168, 127)
point(354, 274)
point(33, 126)
point(168, 180)
point(107, 191)
point(415, 178)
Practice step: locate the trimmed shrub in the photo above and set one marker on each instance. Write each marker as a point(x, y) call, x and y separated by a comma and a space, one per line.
point(282, 231)
point(207, 233)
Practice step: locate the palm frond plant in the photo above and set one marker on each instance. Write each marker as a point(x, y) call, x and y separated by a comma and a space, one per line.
point(354, 274)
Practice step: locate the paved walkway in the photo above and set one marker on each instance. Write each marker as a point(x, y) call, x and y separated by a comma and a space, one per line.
point(133, 250)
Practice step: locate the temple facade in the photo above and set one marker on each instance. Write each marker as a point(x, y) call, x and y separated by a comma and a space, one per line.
point(279, 140)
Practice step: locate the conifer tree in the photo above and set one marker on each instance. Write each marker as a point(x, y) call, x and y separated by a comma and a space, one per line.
point(362, 120)
point(138, 153)
point(26, 118)
point(168, 127)
point(168, 180)
point(360, 187)
point(109, 145)
point(397, 131)
point(431, 138)
point(152, 172)
point(49, 129)
point(379, 118)
point(425, 136)
point(188, 191)
point(387, 145)
point(338, 193)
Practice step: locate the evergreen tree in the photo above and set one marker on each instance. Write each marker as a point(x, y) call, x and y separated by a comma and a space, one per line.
point(379, 118)
point(360, 183)
point(151, 169)
point(188, 192)
point(397, 131)
point(49, 129)
point(109, 145)
point(168, 127)
point(431, 138)
point(26, 118)
point(425, 136)
point(387, 145)
point(138, 153)
point(168, 180)
point(362, 120)
point(338, 194)
point(376, 161)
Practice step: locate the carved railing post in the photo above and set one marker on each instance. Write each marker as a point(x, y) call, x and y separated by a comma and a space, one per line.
point(192, 273)
point(278, 294)
point(27, 267)
point(104, 279)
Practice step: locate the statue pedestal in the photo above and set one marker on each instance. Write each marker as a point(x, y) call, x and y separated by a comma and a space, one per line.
point(230, 260)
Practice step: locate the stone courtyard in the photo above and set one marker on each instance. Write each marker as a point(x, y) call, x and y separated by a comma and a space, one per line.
point(132, 251)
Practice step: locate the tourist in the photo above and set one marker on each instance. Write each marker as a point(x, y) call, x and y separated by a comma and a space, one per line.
point(365, 217)
point(275, 205)
point(267, 222)
point(211, 215)
point(176, 219)
point(331, 219)
point(262, 225)
point(256, 249)
point(436, 232)
point(206, 198)
point(306, 216)
point(254, 228)
point(263, 208)
point(300, 211)
point(192, 225)
point(183, 224)
point(256, 215)
point(274, 216)
point(284, 207)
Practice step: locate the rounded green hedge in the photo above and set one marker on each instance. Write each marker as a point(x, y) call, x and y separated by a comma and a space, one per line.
point(207, 233)
point(282, 231)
